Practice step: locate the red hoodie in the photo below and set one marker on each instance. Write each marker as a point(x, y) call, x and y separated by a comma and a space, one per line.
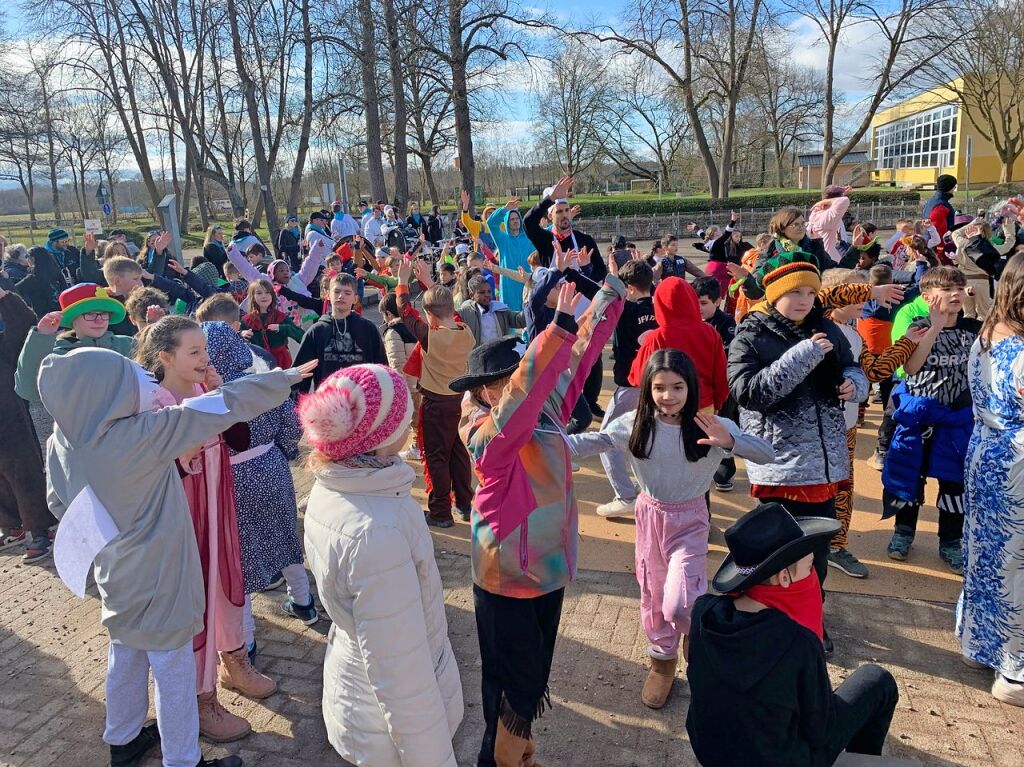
point(680, 327)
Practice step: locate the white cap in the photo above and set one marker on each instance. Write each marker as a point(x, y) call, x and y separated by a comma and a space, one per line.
point(462, 248)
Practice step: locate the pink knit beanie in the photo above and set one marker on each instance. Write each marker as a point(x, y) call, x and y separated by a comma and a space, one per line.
point(356, 410)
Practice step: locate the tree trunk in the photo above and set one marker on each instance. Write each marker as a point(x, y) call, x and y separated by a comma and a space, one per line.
point(51, 149)
point(827, 172)
point(201, 201)
point(295, 186)
point(400, 141)
point(428, 176)
point(460, 102)
point(371, 101)
point(186, 197)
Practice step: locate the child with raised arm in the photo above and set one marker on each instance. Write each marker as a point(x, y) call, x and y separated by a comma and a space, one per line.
point(674, 451)
point(524, 522)
point(151, 620)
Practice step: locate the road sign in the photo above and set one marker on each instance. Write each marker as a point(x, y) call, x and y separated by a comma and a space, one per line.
point(106, 209)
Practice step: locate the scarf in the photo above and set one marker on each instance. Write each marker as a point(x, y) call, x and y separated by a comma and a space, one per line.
point(828, 375)
point(801, 602)
point(317, 228)
point(257, 322)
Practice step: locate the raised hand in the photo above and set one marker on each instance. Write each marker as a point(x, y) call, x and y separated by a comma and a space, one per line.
point(464, 198)
point(735, 270)
point(613, 265)
point(422, 269)
point(568, 299)
point(561, 188)
point(916, 333)
point(404, 272)
point(575, 210)
point(305, 370)
point(154, 313)
point(561, 259)
point(512, 204)
point(49, 323)
point(583, 255)
point(734, 216)
point(718, 435)
point(174, 266)
point(161, 242)
point(887, 295)
point(90, 242)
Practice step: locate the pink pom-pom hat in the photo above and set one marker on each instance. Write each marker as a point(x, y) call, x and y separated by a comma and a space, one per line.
point(356, 410)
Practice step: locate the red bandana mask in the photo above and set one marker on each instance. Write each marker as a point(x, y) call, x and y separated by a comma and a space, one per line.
point(801, 601)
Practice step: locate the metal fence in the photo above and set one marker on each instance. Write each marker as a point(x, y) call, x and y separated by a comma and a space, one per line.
point(752, 221)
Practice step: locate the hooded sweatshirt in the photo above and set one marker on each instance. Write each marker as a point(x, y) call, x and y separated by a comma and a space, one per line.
point(513, 252)
point(39, 345)
point(759, 688)
point(106, 437)
point(339, 344)
point(680, 327)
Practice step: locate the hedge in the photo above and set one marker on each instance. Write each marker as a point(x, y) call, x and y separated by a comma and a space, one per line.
point(612, 207)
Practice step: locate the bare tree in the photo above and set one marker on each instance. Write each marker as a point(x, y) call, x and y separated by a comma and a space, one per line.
point(791, 100)
point(900, 28)
point(643, 121)
point(571, 96)
point(982, 72)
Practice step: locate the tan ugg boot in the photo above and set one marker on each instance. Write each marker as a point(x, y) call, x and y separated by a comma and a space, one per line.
point(216, 723)
point(659, 682)
point(528, 755)
point(509, 749)
point(236, 673)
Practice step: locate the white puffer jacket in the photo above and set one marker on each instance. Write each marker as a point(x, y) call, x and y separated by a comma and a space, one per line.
point(392, 694)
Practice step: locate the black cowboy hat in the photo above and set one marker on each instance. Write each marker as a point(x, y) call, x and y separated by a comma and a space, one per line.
point(488, 363)
point(766, 540)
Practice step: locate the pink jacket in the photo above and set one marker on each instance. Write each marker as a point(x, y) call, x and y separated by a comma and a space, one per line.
point(825, 222)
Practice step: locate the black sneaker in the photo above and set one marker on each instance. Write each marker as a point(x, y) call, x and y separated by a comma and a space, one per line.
point(464, 514)
point(597, 411)
point(224, 761)
point(305, 613)
point(442, 523)
point(130, 753)
point(725, 487)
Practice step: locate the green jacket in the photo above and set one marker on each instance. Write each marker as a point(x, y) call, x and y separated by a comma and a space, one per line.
point(274, 338)
point(905, 317)
point(39, 345)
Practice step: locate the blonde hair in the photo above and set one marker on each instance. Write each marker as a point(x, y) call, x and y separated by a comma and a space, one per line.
point(209, 233)
point(438, 300)
point(120, 266)
point(832, 277)
point(162, 336)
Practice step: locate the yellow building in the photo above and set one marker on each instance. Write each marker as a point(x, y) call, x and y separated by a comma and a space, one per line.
point(929, 134)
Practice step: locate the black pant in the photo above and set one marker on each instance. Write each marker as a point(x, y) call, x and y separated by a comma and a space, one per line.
point(863, 706)
point(888, 425)
point(592, 386)
point(950, 505)
point(726, 471)
point(581, 417)
point(820, 509)
point(517, 642)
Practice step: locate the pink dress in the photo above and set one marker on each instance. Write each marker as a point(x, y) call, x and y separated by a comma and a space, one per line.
point(206, 476)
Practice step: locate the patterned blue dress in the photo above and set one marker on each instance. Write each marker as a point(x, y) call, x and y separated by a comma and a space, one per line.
point(991, 627)
point(264, 491)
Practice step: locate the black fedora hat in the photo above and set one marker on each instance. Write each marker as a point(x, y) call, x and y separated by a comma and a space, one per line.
point(487, 363)
point(766, 540)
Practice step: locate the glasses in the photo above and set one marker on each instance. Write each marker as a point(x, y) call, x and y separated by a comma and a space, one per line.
point(94, 316)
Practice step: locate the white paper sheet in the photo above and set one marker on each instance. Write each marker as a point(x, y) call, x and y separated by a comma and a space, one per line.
point(581, 307)
point(84, 530)
point(211, 402)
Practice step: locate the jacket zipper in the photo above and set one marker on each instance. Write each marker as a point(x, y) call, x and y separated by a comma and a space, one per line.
point(524, 549)
point(821, 439)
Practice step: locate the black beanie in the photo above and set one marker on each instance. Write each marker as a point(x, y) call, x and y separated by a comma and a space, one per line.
point(945, 183)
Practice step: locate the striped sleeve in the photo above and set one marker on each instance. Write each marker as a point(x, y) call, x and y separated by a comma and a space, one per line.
point(878, 367)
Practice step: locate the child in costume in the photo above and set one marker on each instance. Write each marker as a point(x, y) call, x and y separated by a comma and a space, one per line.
point(174, 351)
point(264, 492)
point(760, 693)
point(392, 695)
point(674, 451)
point(149, 577)
point(267, 325)
point(524, 517)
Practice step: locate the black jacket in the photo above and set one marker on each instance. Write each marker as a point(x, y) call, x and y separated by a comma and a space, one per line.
point(543, 241)
point(435, 228)
point(217, 256)
point(339, 344)
point(725, 325)
point(636, 319)
point(288, 246)
point(759, 689)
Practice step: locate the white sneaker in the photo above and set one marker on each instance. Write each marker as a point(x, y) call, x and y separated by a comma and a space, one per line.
point(616, 508)
point(1008, 692)
point(411, 454)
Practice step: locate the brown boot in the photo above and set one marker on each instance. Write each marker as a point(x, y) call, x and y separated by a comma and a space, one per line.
point(509, 749)
point(528, 755)
point(659, 682)
point(236, 673)
point(216, 723)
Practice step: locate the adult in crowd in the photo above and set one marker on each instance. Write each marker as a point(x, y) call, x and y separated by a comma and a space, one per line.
point(991, 625)
point(825, 220)
point(435, 225)
point(244, 237)
point(214, 250)
point(417, 221)
point(372, 223)
point(514, 249)
point(316, 232)
point(940, 211)
point(343, 226)
point(289, 242)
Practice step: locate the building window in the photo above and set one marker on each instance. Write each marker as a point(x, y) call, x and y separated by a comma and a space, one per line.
point(923, 140)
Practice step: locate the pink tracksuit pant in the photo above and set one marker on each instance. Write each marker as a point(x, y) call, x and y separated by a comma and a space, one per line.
point(671, 568)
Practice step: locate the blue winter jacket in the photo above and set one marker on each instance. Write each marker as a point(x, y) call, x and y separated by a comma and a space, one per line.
point(908, 460)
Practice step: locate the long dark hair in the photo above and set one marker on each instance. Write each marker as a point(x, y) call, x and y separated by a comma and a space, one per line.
point(644, 424)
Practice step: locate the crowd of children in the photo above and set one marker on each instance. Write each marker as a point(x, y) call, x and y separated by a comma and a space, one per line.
point(769, 356)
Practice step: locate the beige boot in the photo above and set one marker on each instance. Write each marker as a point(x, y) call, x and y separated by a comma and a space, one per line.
point(236, 673)
point(509, 749)
point(216, 723)
point(659, 682)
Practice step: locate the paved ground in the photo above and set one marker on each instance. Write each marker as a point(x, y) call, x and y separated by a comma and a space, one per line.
point(53, 652)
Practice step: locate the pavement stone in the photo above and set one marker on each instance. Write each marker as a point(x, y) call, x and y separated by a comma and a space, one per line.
point(53, 652)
